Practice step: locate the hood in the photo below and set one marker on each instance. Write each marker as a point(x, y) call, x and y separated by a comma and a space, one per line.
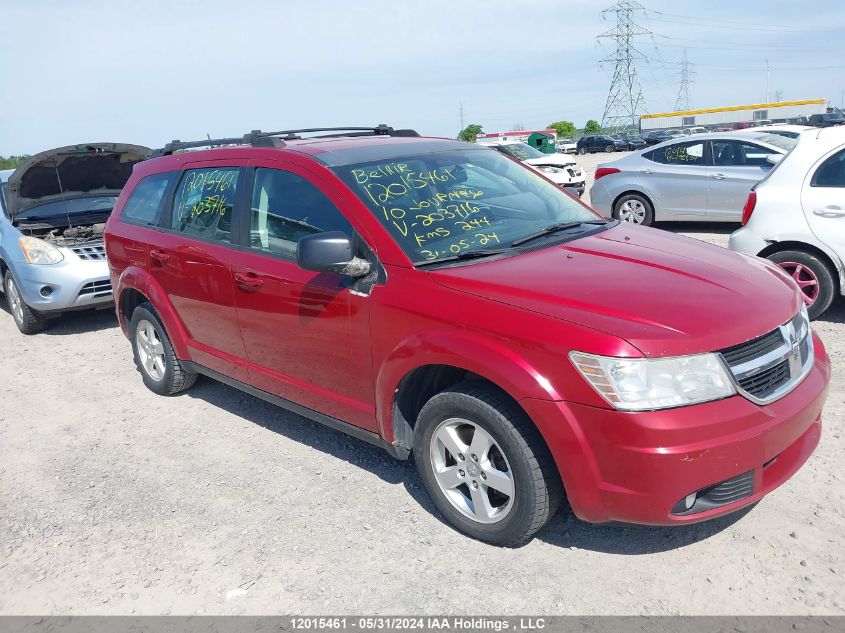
point(664, 293)
point(555, 160)
point(75, 171)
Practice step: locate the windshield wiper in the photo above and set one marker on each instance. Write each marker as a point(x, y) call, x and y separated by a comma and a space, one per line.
point(483, 252)
point(553, 228)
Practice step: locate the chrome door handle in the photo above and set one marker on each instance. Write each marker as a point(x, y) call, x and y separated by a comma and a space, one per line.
point(831, 211)
point(719, 176)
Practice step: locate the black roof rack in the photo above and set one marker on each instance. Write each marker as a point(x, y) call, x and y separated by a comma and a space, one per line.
point(257, 138)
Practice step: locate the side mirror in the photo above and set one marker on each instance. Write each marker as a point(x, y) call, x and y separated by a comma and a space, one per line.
point(330, 252)
point(774, 159)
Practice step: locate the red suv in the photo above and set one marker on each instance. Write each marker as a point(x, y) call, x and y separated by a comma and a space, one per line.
point(437, 298)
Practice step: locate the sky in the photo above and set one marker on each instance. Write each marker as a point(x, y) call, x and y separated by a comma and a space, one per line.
point(148, 71)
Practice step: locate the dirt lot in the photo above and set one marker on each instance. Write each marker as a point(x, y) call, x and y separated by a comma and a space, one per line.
point(114, 500)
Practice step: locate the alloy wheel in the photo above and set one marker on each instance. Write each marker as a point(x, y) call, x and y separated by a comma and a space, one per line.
point(471, 470)
point(150, 350)
point(806, 279)
point(632, 211)
point(15, 301)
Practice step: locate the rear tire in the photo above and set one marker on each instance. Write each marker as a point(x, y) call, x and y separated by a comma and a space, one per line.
point(634, 208)
point(502, 485)
point(161, 371)
point(813, 276)
point(582, 150)
point(609, 148)
point(28, 320)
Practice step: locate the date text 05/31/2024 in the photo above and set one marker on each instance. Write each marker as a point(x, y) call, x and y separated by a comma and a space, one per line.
point(421, 623)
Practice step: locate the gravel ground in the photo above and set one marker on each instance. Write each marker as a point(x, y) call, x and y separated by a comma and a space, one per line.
point(114, 500)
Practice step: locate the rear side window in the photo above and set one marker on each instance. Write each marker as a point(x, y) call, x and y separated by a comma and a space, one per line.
point(679, 154)
point(285, 208)
point(831, 173)
point(203, 203)
point(143, 204)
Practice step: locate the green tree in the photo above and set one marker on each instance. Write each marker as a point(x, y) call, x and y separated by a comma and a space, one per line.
point(470, 132)
point(592, 127)
point(565, 129)
point(12, 162)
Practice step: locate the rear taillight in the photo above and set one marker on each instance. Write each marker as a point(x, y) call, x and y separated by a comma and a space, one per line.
point(748, 209)
point(605, 171)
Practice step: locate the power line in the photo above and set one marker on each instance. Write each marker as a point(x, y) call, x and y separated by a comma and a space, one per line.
point(728, 24)
point(625, 98)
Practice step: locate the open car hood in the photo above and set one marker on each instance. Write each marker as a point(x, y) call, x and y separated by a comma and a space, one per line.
point(75, 171)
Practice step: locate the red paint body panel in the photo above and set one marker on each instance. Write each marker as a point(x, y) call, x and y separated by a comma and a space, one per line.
point(627, 291)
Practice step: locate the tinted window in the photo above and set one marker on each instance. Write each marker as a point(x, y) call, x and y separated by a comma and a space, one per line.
point(679, 154)
point(285, 208)
point(203, 203)
point(737, 153)
point(831, 173)
point(143, 203)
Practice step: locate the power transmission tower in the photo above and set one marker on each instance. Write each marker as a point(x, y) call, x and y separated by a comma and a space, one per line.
point(682, 102)
point(461, 113)
point(625, 98)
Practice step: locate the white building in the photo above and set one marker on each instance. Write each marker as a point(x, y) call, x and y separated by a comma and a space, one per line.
point(778, 112)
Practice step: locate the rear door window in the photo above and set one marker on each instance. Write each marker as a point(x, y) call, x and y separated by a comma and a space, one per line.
point(286, 207)
point(831, 173)
point(144, 202)
point(203, 203)
point(679, 154)
point(739, 154)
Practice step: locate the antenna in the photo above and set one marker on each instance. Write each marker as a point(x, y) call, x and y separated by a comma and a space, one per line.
point(625, 98)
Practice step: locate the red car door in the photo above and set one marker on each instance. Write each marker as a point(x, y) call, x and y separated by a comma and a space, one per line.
point(307, 334)
point(191, 258)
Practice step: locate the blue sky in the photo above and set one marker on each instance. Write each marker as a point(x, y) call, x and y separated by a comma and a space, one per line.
point(147, 71)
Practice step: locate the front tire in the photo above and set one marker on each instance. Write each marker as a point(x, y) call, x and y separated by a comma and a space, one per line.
point(634, 208)
point(813, 276)
point(161, 371)
point(28, 320)
point(582, 150)
point(485, 465)
point(609, 148)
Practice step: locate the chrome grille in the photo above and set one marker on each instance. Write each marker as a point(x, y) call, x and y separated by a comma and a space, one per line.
point(93, 252)
point(770, 366)
point(96, 289)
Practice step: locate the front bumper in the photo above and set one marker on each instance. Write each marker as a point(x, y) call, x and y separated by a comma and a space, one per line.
point(71, 284)
point(637, 467)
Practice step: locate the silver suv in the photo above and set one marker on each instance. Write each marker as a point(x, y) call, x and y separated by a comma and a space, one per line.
point(54, 208)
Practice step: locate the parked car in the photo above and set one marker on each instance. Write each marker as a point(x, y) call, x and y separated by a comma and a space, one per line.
point(559, 168)
point(633, 142)
point(600, 143)
point(659, 136)
point(828, 119)
point(566, 146)
point(790, 131)
point(796, 217)
point(55, 204)
point(705, 178)
point(435, 298)
point(689, 131)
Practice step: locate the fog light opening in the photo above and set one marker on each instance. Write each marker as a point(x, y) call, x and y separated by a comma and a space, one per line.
point(46, 291)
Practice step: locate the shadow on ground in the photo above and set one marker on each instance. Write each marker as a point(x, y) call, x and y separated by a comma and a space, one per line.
point(76, 322)
point(717, 228)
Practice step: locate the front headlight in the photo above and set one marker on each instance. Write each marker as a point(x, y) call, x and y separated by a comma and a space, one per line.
point(640, 384)
point(550, 170)
point(37, 251)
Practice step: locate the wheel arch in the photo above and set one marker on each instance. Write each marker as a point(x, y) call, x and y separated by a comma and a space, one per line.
point(838, 273)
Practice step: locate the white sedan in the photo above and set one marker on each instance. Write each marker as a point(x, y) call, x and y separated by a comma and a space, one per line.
point(796, 217)
point(559, 168)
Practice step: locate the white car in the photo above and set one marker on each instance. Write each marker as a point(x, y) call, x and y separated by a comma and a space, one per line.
point(559, 168)
point(796, 217)
point(789, 131)
point(566, 145)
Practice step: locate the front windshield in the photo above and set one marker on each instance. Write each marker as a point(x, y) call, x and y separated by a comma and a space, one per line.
point(521, 151)
point(449, 203)
point(73, 206)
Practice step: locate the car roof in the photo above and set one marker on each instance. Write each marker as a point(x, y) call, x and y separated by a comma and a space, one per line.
point(331, 151)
